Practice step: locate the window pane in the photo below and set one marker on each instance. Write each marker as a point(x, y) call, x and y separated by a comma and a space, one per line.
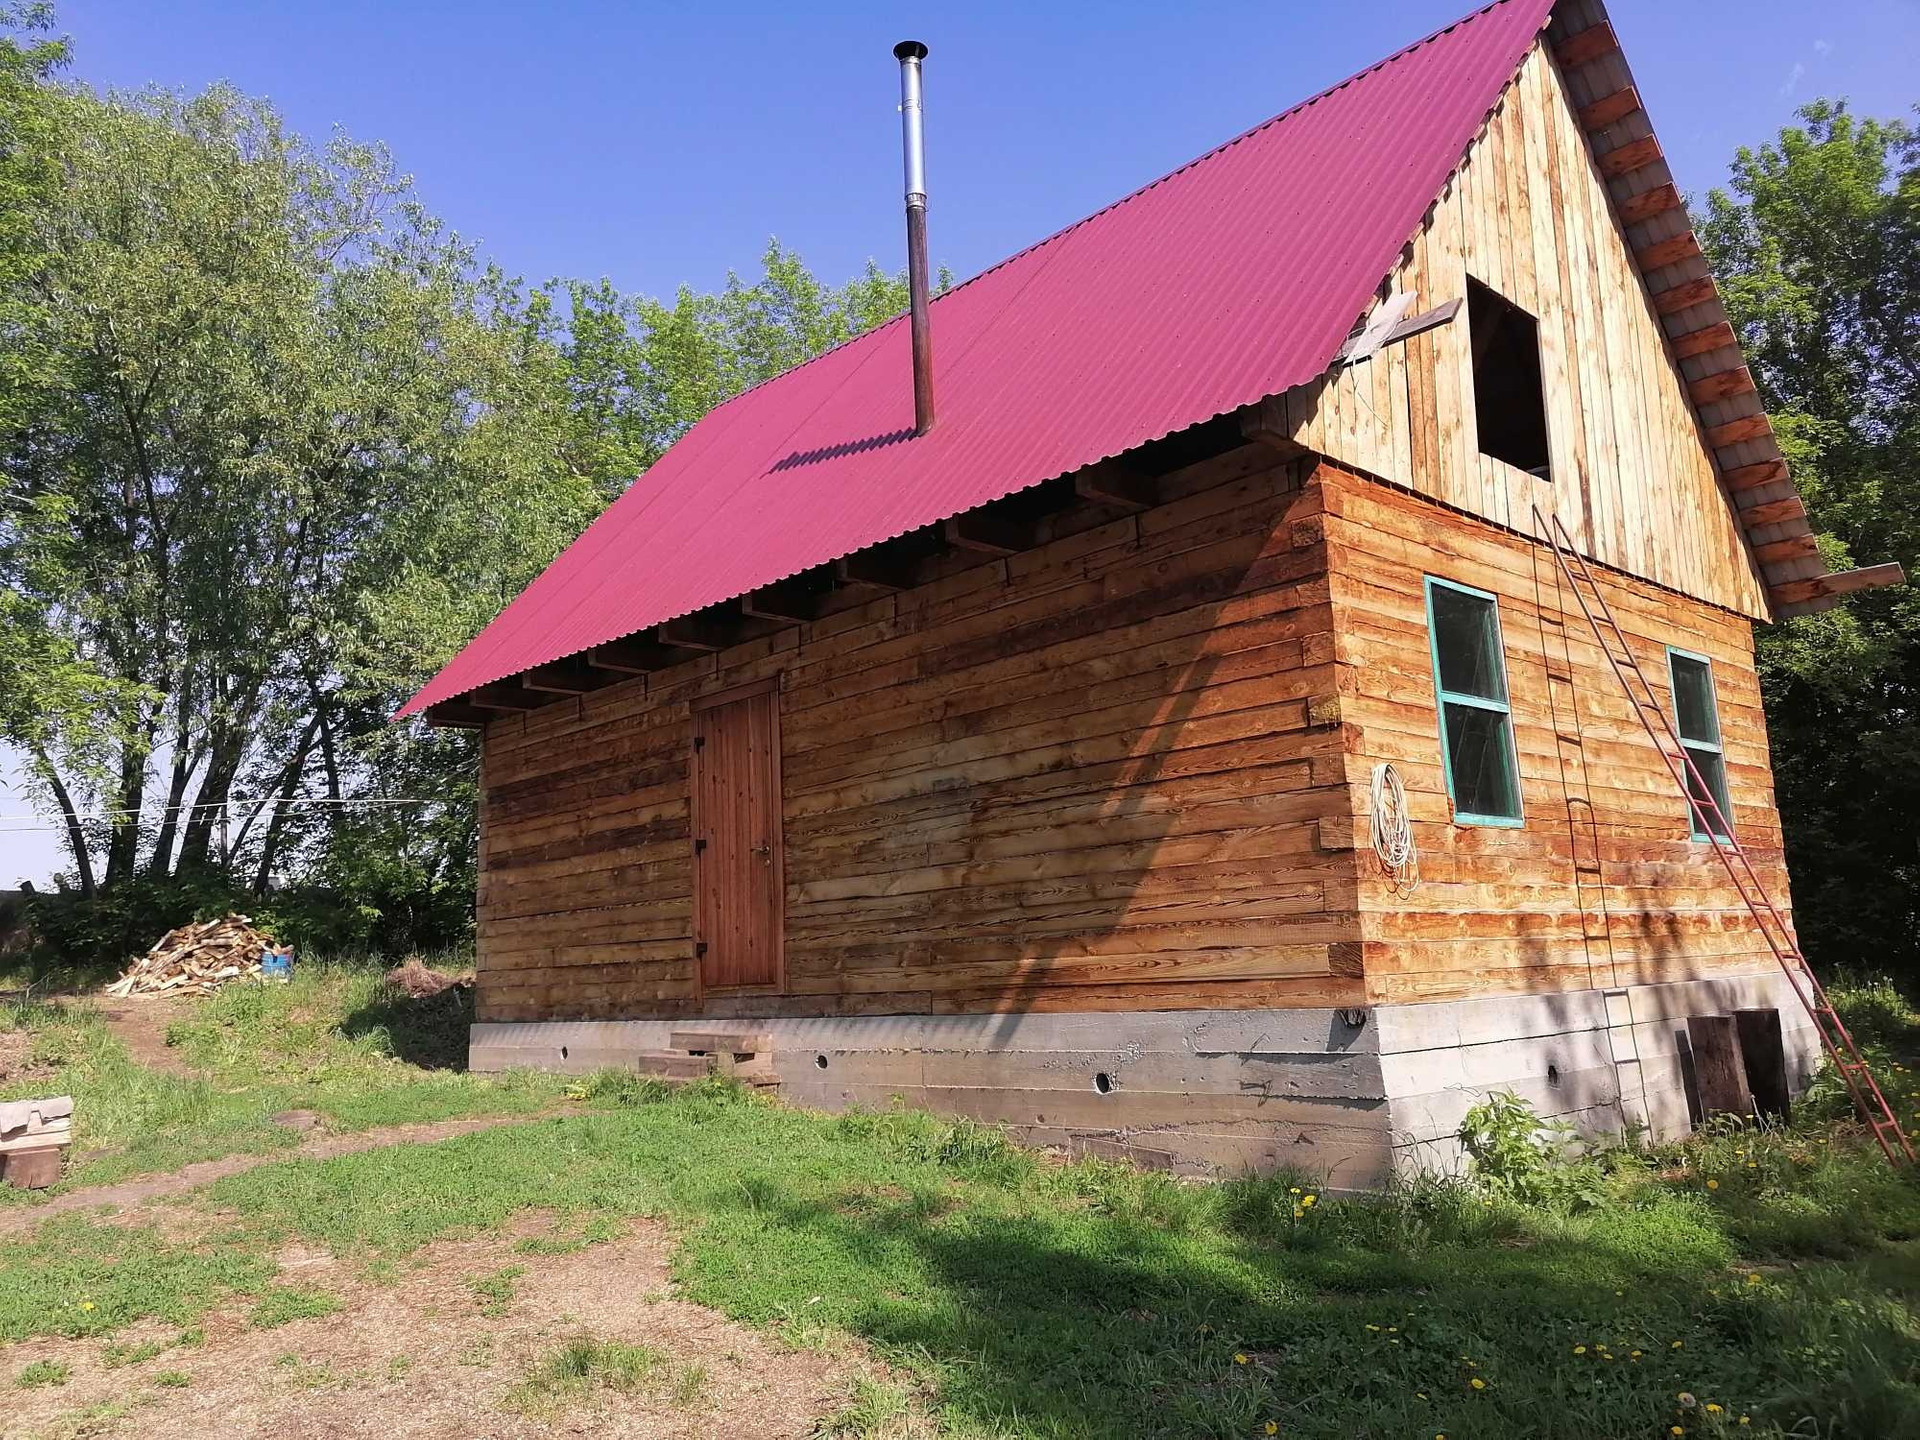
point(1481, 763)
point(1712, 768)
point(1466, 639)
point(1693, 701)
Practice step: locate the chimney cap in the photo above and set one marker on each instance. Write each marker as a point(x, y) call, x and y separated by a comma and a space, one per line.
point(909, 50)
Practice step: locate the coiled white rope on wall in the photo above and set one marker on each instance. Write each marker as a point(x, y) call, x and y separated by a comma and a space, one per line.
point(1393, 829)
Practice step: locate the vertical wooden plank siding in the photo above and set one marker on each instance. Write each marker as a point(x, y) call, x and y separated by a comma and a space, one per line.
point(1602, 884)
point(1528, 214)
point(1102, 774)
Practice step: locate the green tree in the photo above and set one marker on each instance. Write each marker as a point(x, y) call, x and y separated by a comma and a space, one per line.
point(273, 445)
point(1816, 243)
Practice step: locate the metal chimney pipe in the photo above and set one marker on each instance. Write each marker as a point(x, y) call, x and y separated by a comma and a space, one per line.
point(912, 137)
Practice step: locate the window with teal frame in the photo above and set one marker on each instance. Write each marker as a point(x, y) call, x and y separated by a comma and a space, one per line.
point(1696, 713)
point(1476, 720)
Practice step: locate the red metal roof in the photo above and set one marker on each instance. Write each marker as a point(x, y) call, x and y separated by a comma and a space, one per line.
point(1236, 277)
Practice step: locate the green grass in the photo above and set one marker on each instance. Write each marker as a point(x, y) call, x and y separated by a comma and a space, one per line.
point(1775, 1274)
point(283, 1304)
point(494, 1293)
point(337, 1041)
point(572, 1372)
point(42, 1372)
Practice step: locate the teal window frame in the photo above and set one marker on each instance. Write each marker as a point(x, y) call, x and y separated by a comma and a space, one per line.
point(1503, 708)
point(1716, 746)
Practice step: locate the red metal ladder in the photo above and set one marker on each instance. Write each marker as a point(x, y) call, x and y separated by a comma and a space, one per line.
point(1835, 1038)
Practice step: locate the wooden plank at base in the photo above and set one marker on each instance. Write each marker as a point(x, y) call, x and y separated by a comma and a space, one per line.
point(1719, 1072)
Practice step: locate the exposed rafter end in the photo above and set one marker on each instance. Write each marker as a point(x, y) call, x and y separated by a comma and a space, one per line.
point(1610, 109)
point(1265, 422)
point(1116, 483)
point(986, 534)
point(457, 715)
point(1823, 592)
point(507, 695)
point(1593, 43)
point(790, 602)
point(694, 632)
point(878, 568)
point(566, 677)
point(631, 657)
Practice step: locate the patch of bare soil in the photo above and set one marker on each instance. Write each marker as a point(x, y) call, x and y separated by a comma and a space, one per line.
point(15, 1046)
point(426, 1357)
point(140, 1023)
point(205, 1172)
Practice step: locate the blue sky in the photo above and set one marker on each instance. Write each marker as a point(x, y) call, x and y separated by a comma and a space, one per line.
point(661, 145)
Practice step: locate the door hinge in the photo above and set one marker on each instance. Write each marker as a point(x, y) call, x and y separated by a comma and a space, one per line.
point(699, 846)
point(699, 949)
point(699, 742)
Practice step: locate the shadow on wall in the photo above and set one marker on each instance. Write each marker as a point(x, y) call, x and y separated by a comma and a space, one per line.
point(1132, 841)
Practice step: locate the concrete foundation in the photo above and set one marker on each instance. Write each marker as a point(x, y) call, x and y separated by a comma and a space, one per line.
point(1346, 1096)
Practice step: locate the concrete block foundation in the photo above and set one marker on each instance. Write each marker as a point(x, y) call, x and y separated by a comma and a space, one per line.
point(1348, 1097)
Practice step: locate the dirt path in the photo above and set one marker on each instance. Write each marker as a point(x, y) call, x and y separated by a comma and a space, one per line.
point(427, 1356)
point(205, 1172)
point(141, 1025)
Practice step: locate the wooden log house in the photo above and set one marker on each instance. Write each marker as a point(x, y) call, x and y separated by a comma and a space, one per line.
point(1023, 769)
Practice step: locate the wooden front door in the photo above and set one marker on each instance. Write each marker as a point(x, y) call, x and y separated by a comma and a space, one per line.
point(738, 886)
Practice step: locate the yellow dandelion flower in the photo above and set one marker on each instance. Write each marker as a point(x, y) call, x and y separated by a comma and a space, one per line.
point(1373, 1328)
point(1272, 1427)
point(1676, 1429)
point(1746, 1419)
point(1293, 1190)
point(1308, 1199)
point(1239, 1359)
point(1712, 1409)
point(1679, 1345)
point(1713, 1184)
point(1579, 1349)
point(86, 1304)
point(1634, 1356)
point(1478, 1383)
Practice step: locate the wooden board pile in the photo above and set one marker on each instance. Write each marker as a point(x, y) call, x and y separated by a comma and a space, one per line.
point(196, 959)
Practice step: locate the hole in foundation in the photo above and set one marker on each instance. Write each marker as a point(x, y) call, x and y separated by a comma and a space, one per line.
point(563, 1052)
point(1103, 1083)
point(1553, 1076)
point(820, 1062)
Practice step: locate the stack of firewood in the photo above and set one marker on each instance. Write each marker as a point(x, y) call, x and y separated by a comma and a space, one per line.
point(196, 959)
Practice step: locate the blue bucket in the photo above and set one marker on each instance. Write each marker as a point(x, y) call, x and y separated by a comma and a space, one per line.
point(277, 963)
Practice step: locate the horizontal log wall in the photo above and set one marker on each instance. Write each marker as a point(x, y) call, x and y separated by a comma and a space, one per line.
point(1602, 886)
point(1089, 776)
point(1528, 214)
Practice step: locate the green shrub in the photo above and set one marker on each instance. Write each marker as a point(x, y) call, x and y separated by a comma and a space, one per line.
point(1516, 1153)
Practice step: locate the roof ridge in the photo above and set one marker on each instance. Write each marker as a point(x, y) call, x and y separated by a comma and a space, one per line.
point(1131, 195)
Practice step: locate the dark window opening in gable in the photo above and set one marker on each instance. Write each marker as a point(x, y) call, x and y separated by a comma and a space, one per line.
point(1507, 399)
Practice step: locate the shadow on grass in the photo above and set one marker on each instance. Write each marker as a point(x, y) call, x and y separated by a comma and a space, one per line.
point(1065, 1324)
point(430, 1032)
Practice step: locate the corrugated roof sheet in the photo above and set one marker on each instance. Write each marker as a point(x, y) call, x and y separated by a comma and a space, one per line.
point(1235, 277)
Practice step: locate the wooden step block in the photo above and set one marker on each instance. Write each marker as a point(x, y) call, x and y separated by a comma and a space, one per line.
point(673, 1065)
point(34, 1169)
point(722, 1042)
